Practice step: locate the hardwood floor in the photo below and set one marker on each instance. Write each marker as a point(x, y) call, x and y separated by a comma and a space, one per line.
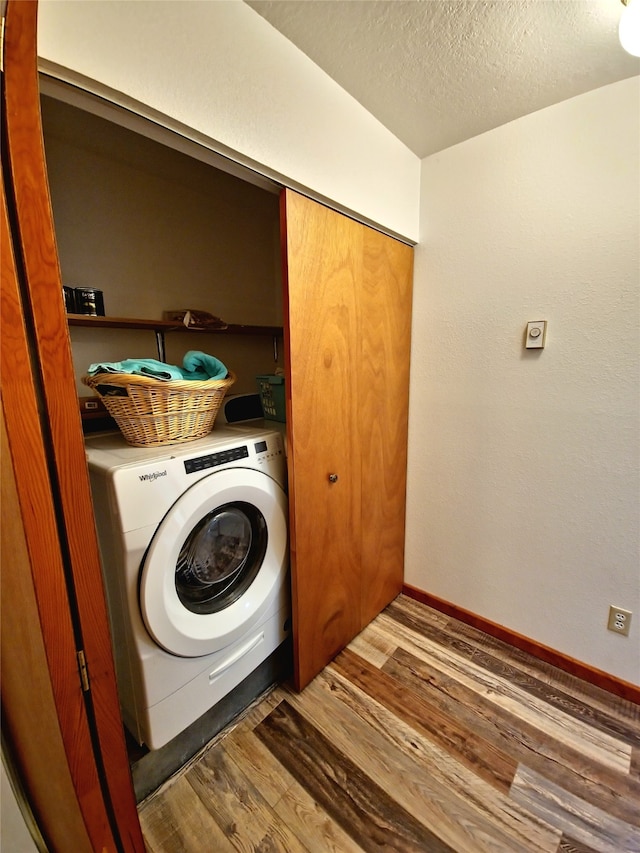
point(424, 735)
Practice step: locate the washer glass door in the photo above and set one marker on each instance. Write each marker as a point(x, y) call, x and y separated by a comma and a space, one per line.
point(217, 563)
point(221, 557)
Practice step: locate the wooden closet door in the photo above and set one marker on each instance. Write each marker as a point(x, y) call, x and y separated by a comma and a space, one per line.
point(33, 726)
point(323, 266)
point(38, 384)
point(347, 320)
point(383, 406)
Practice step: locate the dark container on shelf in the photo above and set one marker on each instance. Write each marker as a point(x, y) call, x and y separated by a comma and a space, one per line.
point(272, 397)
point(89, 301)
point(69, 300)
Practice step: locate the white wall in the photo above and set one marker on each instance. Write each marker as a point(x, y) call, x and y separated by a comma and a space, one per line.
point(221, 70)
point(524, 480)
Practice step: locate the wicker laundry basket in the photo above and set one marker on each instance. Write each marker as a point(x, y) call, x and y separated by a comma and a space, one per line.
point(150, 412)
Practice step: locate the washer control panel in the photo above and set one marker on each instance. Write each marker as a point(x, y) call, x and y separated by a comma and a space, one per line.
point(268, 452)
point(212, 460)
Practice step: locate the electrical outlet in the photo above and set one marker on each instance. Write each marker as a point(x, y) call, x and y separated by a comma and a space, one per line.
point(619, 620)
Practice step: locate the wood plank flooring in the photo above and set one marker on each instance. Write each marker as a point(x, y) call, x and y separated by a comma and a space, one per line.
point(423, 735)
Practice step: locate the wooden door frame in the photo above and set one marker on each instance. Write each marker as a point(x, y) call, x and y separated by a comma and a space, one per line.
point(48, 460)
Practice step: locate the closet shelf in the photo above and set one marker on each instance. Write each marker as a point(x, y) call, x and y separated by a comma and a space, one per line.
point(160, 327)
point(166, 325)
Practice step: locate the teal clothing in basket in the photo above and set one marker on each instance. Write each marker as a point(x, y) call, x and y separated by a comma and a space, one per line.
point(196, 366)
point(199, 365)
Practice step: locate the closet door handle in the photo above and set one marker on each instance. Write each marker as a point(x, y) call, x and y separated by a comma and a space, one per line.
point(333, 478)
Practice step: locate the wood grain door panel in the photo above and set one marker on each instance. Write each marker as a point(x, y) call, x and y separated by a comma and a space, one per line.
point(348, 330)
point(323, 266)
point(70, 567)
point(37, 632)
point(383, 403)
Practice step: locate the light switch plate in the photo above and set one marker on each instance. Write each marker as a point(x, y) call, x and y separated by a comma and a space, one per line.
point(536, 334)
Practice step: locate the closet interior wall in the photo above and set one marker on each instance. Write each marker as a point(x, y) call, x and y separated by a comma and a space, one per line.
point(156, 230)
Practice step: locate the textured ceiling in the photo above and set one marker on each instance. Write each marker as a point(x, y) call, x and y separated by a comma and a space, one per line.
point(436, 72)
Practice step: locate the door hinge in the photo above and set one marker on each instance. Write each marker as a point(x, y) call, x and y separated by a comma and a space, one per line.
point(84, 672)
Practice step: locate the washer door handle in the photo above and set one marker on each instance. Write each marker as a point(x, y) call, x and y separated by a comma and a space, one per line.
point(239, 653)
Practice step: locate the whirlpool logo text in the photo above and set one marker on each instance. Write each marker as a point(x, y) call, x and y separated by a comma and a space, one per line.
point(153, 476)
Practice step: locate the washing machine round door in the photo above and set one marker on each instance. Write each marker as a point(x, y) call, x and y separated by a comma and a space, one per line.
point(216, 563)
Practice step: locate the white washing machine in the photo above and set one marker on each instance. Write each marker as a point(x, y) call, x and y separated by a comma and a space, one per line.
point(194, 548)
